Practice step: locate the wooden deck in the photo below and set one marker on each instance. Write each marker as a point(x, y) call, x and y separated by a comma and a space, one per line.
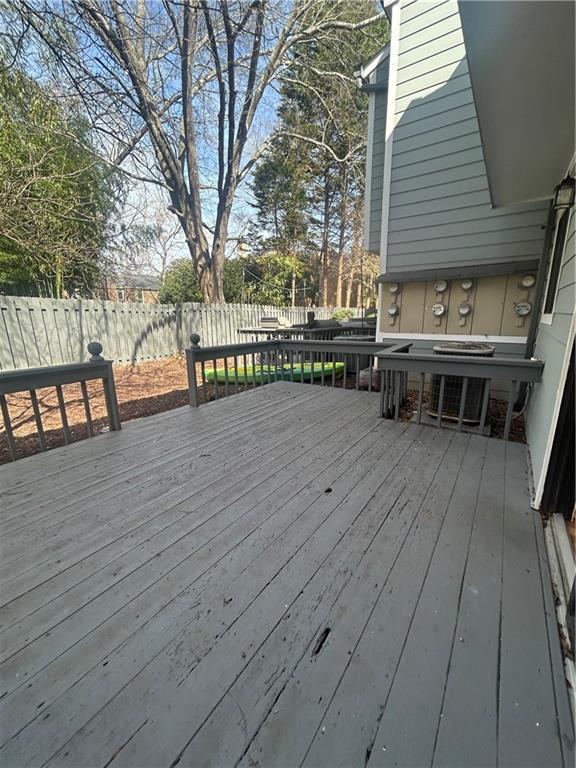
point(277, 579)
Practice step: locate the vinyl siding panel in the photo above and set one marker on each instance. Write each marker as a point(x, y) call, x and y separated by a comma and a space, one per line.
point(440, 213)
point(446, 117)
point(457, 88)
point(461, 172)
point(470, 191)
point(551, 346)
point(465, 255)
point(373, 202)
point(463, 213)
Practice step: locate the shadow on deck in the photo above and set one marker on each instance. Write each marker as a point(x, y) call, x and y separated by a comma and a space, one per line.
point(278, 578)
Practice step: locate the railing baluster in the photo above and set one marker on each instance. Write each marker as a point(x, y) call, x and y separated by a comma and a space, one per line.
point(38, 420)
point(302, 363)
point(398, 396)
point(8, 428)
point(386, 392)
point(63, 414)
point(509, 410)
point(323, 361)
point(215, 371)
point(382, 391)
point(236, 374)
point(86, 401)
point(253, 371)
point(370, 366)
point(262, 363)
point(462, 403)
point(311, 367)
point(344, 374)
point(420, 398)
point(484, 411)
point(226, 378)
point(245, 377)
point(292, 365)
point(204, 384)
point(357, 371)
point(440, 401)
point(333, 356)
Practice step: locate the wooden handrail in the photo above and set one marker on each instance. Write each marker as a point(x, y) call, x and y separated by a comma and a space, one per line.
point(455, 368)
point(260, 362)
point(32, 379)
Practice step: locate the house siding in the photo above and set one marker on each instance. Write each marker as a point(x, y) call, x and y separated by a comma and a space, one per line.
point(373, 210)
point(553, 343)
point(439, 206)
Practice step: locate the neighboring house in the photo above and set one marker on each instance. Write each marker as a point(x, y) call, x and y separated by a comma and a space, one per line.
point(452, 263)
point(470, 198)
point(142, 289)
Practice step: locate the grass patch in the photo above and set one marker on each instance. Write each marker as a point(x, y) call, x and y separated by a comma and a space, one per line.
point(264, 374)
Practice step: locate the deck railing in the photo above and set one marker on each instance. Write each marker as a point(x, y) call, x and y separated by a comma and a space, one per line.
point(32, 379)
point(223, 370)
point(456, 375)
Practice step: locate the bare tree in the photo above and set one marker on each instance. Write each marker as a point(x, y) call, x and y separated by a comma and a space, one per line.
point(173, 89)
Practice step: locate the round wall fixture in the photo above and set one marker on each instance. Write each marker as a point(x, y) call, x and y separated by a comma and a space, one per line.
point(438, 310)
point(440, 286)
point(393, 310)
point(523, 308)
point(528, 281)
point(467, 284)
point(393, 287)
point(464, 309)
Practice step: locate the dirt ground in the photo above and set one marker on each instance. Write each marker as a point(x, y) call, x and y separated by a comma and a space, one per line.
point(143, 389)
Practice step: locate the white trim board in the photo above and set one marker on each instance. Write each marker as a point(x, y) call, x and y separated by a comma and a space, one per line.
point(395, 9)
point(454, 337)
point(369, 153)
point(368, 69)
point(555, 413)
point(548, 317)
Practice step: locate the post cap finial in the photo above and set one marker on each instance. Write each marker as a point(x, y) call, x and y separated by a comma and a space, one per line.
point(95, 349)
point(195, 339)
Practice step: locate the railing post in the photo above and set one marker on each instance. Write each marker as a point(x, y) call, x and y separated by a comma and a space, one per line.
point(191, 368)
point(109, 385)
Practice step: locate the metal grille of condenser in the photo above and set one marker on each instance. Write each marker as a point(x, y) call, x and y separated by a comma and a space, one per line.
point(453, 384)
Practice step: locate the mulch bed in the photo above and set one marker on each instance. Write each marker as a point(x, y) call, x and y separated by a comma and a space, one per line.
point(143, 390)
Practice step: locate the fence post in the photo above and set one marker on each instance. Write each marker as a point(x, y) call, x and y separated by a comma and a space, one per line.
point(109, 385)
point(191, 368)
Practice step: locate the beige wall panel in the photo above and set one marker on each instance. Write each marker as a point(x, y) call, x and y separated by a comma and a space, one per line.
point(412, 309)
point(430, 322)
point(512, 325)
point(489, 304)
point(384, 301)
point(459, 296)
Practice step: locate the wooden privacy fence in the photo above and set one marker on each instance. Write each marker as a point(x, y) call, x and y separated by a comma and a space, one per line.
point(37, 332)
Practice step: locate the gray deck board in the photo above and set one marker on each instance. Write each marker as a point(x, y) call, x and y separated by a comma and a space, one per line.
point(527, 717)
point(278, 578)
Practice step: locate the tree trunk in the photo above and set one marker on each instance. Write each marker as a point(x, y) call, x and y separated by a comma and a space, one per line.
point(324, 249)
point(342, 236)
